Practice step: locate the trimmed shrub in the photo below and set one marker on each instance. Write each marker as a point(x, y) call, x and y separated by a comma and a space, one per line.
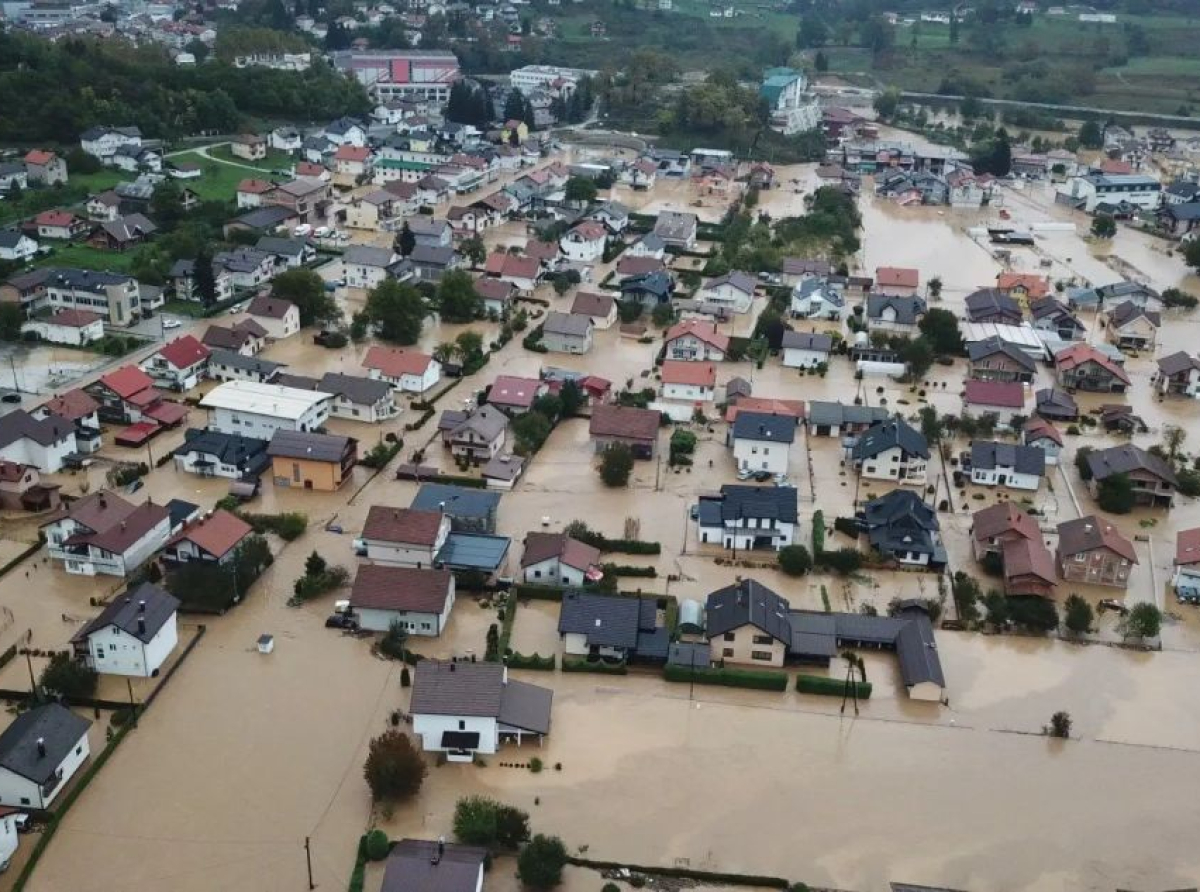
point(533, 661)
point(578, 665)
point(377, 845)
point(731, 678)
point(830, 687)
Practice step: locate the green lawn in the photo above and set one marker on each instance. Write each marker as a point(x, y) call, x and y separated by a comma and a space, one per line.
point(218, 182)
point(99, 181)
point(275, 160)
point(86, 257)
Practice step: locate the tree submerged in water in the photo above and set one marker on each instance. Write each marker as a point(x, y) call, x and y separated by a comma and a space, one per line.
point(1060, 725)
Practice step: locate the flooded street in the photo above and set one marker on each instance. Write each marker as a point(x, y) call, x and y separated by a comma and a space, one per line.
point(244, 755)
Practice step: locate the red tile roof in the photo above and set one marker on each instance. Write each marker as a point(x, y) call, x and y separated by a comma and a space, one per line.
point(897, 277)
point(590, 230)
point(400, 588)
point(269, 307)
point(1039, 428)
point(39, 157)
point(541, 251)
point(1078, 354)
point(765, 405)
point(509, 390)
point(703, 374)
point(72, 405)
point(309, 169)
point(74, 318)
point(255, 187)
point(544, 546)
point(393, 362)
point(626, 422)
point(184, 352)
point(216, 534)
point(352, 153)
point(1037, 286)
point(639, 266)
point(1187, 547)
point(409, 526)
point(1009, 394)
point(54, 218)
point(1004, 517)
point(126, 381)
point(701, 330)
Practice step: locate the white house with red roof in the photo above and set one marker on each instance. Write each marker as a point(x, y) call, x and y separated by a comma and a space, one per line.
point(692, 382)
point(80, 410)
point(514, 395)
point(1186, 580)
point(179, 364)
point(584, 242)
point(410, 371)
point(1004, 399)
point(103, 533)
point(45, 167)
point(250, 192)
point(900, 280)
point(58, 224)
point(128, 396)
point(1040, 433)
point(696, 340)
point(404, 537)
point(352, 164)
point(74, 327)
point(419, 600)
point(557, 559)
point(214, 538)
point(520, 271)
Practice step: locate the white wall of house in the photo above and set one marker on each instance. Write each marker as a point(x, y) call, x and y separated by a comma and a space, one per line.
point(412, 383)
point(261, 425)
point(112, 651)
point(695, 393)
point(797, 358)
point(187, 462)
point(689, 348)
point(726, 295)
point(278, 329)
point(891, 464)
point(1004, 414)
point(742, 538)
point(360, 275)
point(8, 839)
point(1049, 447)
point(558, 343)
point(47, 459)
point(576, 644)
point(581, 249)
point(392, 554)
point(16, 791)
point(553, 572)
point(431, 727)
point(1005, 477)
point(425, 624)
point(760, 455)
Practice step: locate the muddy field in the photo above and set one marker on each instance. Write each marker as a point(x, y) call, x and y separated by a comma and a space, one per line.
point(245, 755)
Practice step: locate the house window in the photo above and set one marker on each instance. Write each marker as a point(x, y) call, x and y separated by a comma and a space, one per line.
point(426, 626)
point(79, 749)
point(730, 636)
point(763, 655)
point(462, 726)
point(295, 472)
point(762, 639)
point(24, 800)
point(727, 652)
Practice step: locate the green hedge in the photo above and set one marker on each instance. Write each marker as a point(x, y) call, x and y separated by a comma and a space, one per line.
point(625, 570)
point(506, 625)
point(578, 665)
point(539, 592)
point(731, 678)
point(420, 422)
point(359, 875)
point(711, 877)
point(818, 532)
point(470, 482)
point(533, 661)
point(829, 687)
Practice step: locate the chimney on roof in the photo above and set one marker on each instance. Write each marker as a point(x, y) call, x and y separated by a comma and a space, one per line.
point(141, 606)
point(141, 625)
point(103, 501)
point(41, 745)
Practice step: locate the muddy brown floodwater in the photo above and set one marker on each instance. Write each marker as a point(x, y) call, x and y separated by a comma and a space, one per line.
point(245, 755)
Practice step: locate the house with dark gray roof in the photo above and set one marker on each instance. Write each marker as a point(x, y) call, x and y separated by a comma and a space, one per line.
point(1178, 374)
point(1132, 327)
point(827, 419)
point(894, 313)
point(994, 359)
point(230, 365)
point(993, 305)
point(747, 623)
point(805, 349)
point(762, 442)
point(470, 510)
point(611, 627)
point(355, 397)
point(743, 517)
point(1052, 315)
point(40, 751)
point(1013, 465)
point(1056, 405)
point(464, 708)
point(902, 527)
point(1154, 481)
point(677, 229)
point(133, 635)
point(421, 865)
point(891, 450)
point(216, 454)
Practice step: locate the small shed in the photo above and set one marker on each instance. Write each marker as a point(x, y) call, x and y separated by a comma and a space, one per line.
point(691, 617)
point(266, 644)
point(689, 654)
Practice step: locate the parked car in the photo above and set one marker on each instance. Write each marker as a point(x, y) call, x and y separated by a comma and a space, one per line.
point(171, 323)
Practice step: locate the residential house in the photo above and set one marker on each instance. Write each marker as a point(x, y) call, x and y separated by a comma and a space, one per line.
point(409, 371)
point(894, 313)
point(600, 308)
point(40, 751)
point(585, 242)
point(743, 518)
point(798, 269)
point(404, 537)
point(247, 267)
point(897, 280)
point(1083, 367)
point(629, 266)
point(1154, 481)
point(730, 293)
point(901, 527)
point(114, 295)
point(246, 337)
point(214, 454)
point(133, 635)
point(43, 443)
point(1091, 550)
point(519, 271)
point(1041, 434)
point(614, 216)
point(815, 298)
point(1131, 327)
point(695, 340)
point(431, 263)
point(365, 266)
point(1004, 399)
point(1186, 578)
point(1053, 404)
point(1053, 316)
point(75, 327)
point(994, 359)
point(805, 349)
point(248, 146)
point(22, 489)
point(79, 409)
point(419, 601)
point(355, 398)
point(308, 460)
point(650, 289)
point(677, 229)
point(128, 396)
point(376, 211)
point(1007, 464)
point(691, 382)
point(103, 206)
point(179, 364)
point(567, 333)
point(417, 865)
point(289, 253)
point(633, 427)
point(352, 165)
point(102, 533)
point(470, 510)
point(61, 225)
point(251, 192)
point(183, 279)
point(279, 318)
point(45, 167)
point(747, 623)
point(513, 395)
point(612, 628)
point(994, 305)
point(497, 296)
point(1178, 374)
point(16, 246)
point(258, 410)
point(557, 559)
point(827, 419)
point(762, 442)
point(478, 435)
point(993, 527)
point(461, 709)
point(103, 142)
point(1179, 220)
point(891, 450)
point(1024, 287)
point(229, 365)
point(305, 197)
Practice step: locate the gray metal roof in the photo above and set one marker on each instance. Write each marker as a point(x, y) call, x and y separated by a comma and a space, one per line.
point(573, 325)
point(60, 731)
point(233, 360)
point(764, 427)
point(605, 620)
point(739, 502)
point(525, 706)
point(899, 522)
point(367, 255)
point(824, 413)
point(977, 350)
point(987, 455)
point(140, 613)
point(419, 865)
point(888, 434)
point(457, 501)
point(1122, 459)
point(908, 309)
point(748, 602)
point(356, 388)
point(308, 445)
point(474, 551)
point(807, 340)
point(987, 303)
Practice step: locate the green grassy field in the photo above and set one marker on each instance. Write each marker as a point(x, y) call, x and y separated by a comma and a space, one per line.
point(275, 160)
point(218, 182)
point(86, 257)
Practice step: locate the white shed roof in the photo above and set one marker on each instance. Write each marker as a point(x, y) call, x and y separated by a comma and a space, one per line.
point(263, 399)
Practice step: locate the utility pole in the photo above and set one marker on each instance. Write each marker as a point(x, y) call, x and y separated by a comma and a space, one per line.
point(308, 859)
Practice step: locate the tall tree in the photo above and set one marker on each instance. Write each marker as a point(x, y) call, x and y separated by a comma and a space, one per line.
point(405, 241)
point(397, 311)
point(457, 299)
point(394, 768)
point(306, 290)
point(203, 279)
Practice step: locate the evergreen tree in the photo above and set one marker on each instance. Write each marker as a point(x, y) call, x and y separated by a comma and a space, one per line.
point(405, 241)
point(204, 282)
point(514, 106)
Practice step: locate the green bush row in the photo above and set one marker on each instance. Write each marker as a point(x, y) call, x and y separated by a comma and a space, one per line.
point(539, 592)
point(533, 661)
point(626, 570)
point(829, 687)
point(578, 665)
point(730, 678)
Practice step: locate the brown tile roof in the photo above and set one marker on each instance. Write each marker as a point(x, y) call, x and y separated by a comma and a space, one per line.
point(393, 362)
point(127, 381)
point(184, 352)
point(1187, 547)
point(509, 390)
point(1091, 532)
point(588, 303)
point(270, 307)
point(1005, 517)
point(255, 187)
point(700, 329)
point(1028, 557)
point(703, 374)
point(1037, 286)
point(639, 266)
point(543, 546)
point(1078, 354)
point(409, 526)
point(897, 277)
point(72, 405)
point(400, 588)
point(626, 422)
point(766, 405)
point(119, 536)
point(74, 318)
point(216, 534)
point(1038, 428)
point(1008, 394)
